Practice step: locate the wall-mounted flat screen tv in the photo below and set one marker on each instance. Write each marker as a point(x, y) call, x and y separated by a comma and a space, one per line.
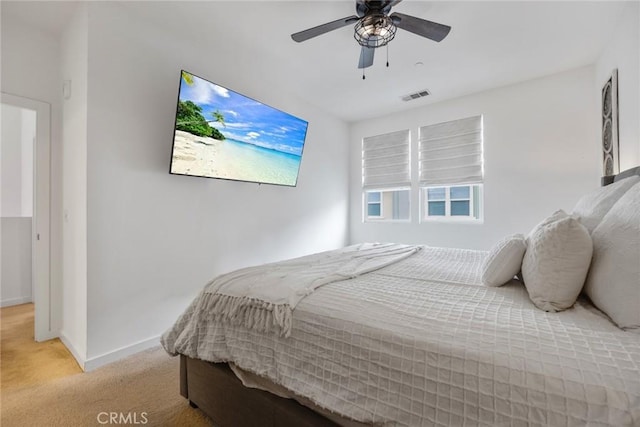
point(222, 134)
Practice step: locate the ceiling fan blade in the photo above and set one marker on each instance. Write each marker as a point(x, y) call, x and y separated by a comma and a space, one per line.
point(324, 28)
point(366, 57)
point(421, 27)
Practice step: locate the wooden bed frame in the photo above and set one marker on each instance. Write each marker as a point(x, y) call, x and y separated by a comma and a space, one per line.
point(215, 389)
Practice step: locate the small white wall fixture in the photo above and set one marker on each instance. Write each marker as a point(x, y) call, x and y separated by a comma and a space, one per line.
point(40, 233)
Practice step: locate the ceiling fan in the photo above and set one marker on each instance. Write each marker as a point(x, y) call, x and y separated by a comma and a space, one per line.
point(375, 27)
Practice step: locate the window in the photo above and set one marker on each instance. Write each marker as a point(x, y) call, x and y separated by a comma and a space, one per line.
point(386, 177)
point(451, 169)
point(389, 205)
point(437, 201)
point(452, 202)
point(374, 204)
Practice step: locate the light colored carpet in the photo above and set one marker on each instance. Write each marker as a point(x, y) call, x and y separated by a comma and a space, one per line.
point(142, 387)
point(42, 385)
point(24, 361)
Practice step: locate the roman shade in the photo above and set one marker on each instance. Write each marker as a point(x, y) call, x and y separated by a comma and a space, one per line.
point(386, 161)
point(451, 152)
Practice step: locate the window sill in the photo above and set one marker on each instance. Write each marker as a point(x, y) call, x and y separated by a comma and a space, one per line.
point(452, 220)
point(386, 221)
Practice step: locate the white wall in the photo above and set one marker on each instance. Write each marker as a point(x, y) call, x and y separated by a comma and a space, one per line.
point(541, 153)
point(155, 239)
point(11, 153)
point(623, 52)
point(36, 75)
point(27, 138)
point(16, 279)
point(74, 68)
point(18, 131)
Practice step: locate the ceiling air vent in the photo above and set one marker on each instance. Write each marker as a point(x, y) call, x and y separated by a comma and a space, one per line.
point(416, 95)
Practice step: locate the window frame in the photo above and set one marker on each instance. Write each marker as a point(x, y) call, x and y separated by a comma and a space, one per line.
point(447, 217)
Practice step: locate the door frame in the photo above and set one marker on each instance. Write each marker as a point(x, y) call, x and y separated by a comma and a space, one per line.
point(40, 225)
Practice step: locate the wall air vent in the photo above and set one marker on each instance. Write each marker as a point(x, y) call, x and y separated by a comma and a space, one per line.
point(416, 95)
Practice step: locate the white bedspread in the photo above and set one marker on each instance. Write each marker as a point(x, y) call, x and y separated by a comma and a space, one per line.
point(422, 343)
point(264, 297)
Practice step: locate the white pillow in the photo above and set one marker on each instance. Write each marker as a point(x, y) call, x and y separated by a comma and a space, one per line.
point(557, 215)
point(593, 206)
point(504, 260)
point(613, 283)
point(556, 262)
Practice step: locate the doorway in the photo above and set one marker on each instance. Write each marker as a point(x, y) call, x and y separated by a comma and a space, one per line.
point(28, 212)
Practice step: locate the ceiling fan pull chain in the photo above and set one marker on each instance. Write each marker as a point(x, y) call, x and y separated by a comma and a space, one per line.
point(363, 77)
point(387, 56)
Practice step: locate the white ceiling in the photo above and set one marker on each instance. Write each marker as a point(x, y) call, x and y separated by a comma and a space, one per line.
point(491, 44)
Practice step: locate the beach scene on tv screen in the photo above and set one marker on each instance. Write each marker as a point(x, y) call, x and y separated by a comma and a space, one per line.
point(222, 134)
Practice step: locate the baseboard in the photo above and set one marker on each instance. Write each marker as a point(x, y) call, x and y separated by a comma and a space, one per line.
point(72, 350)
point(15, 301)
point(95, 362)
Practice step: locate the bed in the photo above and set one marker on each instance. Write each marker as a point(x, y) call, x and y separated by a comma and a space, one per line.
point(420, 341)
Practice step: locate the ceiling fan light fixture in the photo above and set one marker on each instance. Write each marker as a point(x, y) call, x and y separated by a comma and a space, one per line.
point(374, 30)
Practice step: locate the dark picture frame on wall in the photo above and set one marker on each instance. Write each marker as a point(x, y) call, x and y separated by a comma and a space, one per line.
point(610, 141)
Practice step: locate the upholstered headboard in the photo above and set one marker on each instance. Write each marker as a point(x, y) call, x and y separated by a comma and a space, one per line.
point(606, 180)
